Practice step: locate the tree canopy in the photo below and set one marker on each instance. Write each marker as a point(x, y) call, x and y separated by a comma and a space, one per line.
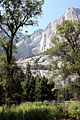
point(66, 49)
point(14, 14)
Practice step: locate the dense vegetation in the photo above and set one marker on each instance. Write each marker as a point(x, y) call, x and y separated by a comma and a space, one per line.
point(14, 14)
point(41, 111)
point(25, 87)
point(65, 55)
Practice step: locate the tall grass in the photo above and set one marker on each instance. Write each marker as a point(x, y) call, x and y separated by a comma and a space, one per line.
point(39, 111)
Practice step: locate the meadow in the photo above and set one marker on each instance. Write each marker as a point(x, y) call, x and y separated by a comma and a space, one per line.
point(41, 111)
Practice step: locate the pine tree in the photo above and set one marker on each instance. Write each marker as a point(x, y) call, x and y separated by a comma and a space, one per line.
point(43, 89)
point(28, 71)
point(29, 84)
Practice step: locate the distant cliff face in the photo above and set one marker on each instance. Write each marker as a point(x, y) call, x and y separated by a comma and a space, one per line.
point(39, 65)
point(39, 41)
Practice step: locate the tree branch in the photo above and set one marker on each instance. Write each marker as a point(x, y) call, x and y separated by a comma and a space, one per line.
point(4, 31)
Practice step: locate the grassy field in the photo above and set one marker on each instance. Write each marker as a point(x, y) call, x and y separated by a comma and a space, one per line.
point(41, 111)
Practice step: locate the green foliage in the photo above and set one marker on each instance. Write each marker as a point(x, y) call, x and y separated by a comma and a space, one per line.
point(32, 111)
point(1, 94)
point(70, 91)
point(13, 16)
point(40, 67)
point(11, 84)
point(40, 111)
point(29, 84)
point(29, 89)
point(36, 88)
point(66, 49)
point(62, 93)
point(74, 89)
point(43, 89)
point(28, 71)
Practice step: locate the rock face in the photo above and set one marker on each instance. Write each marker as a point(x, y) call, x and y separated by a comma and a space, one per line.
point(39, 41)
point(39, 64)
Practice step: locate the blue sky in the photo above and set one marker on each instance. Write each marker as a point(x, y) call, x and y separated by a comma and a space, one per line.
point(52, 9)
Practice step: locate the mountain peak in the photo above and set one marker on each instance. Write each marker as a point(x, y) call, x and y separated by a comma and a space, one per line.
point(75, 9)
point(40, 40)
point(72, 14)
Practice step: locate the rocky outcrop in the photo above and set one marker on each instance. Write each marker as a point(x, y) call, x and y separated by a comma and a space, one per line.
point(39, 41)
point(39, 64)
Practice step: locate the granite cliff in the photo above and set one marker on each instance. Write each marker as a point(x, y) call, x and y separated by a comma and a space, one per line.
point(39, 41)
